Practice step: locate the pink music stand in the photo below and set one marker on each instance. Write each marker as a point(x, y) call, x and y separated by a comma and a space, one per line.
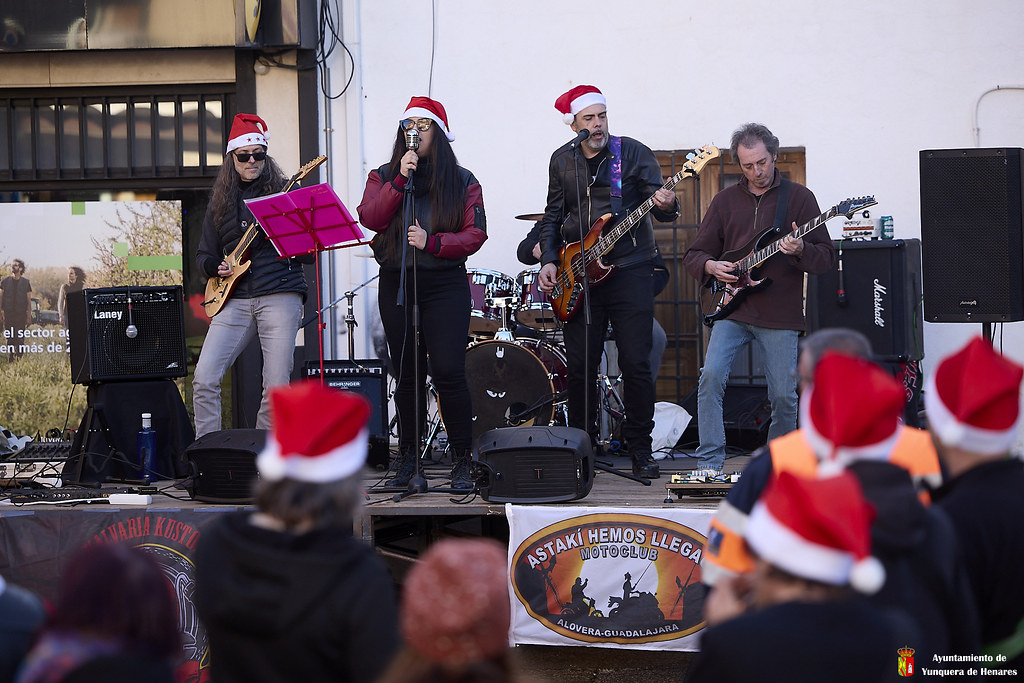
point(306, 220)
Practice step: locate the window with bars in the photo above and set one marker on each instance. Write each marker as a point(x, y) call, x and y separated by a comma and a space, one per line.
point(137, 136)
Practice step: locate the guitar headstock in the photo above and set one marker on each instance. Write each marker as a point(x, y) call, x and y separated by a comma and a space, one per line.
point(848, 207)
point(697, 160)
point(308, 168)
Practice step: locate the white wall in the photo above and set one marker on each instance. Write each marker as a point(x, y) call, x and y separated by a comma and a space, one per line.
point(862, 86)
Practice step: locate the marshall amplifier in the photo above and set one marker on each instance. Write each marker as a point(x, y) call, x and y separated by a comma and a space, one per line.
point(126, 333)
point(877, 293)
point(534, 464)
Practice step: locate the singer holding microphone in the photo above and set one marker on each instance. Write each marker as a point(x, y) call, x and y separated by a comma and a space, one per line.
point(423, 268)
point(267, 299)
point(593, 175)
point(774, 316)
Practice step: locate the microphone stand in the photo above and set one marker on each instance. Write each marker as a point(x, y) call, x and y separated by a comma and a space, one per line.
point(418, 483)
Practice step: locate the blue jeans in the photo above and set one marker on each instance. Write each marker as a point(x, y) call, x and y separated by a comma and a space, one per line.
point(728, 337)
point(275, 318)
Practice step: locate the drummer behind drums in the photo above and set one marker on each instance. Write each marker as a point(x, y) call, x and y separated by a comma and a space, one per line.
point(529, 254)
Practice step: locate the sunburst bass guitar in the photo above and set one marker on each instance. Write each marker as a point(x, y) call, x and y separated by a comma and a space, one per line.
point(218, 289)
point(726, 296)
point(566, 295)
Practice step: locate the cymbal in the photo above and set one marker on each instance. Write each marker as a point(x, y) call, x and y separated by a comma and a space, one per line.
point(530, 217)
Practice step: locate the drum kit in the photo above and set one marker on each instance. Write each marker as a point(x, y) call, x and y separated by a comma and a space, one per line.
point(515, 362)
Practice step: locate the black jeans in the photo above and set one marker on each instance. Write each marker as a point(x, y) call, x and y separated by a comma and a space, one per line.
point(444, 305)
point(626, 300)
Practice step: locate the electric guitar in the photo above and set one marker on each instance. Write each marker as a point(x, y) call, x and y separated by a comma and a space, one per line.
point(726, 296)
point(218, 289)
point(566, 295)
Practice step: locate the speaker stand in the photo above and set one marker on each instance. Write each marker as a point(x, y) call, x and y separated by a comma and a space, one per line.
point(80, 446)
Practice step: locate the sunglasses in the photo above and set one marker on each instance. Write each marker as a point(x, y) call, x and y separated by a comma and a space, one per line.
point(422, 125)
point(245, 156)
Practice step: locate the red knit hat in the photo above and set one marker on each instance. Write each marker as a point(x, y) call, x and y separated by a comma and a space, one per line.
point(455, 602)
point(431, 109)
point(852, 410)
point(576, 100)
point(818, 529)
point(973, 399)
point(319, 434)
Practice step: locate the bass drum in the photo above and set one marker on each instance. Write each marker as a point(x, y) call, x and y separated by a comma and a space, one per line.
point(514, 383)
point(484, 287)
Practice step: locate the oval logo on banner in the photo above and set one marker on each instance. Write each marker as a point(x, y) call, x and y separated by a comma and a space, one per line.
point(617, 578)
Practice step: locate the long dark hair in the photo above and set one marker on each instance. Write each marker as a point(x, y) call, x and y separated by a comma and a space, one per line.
point(437, 176)
point(228, 186)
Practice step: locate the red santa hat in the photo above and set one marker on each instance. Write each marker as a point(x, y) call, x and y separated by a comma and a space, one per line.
point(247, 129)
point(576, 100)
point(455, 602)
point(851, 411)
point(319, 434)
point(817, 529)
point(973, 399)
point(424, 107)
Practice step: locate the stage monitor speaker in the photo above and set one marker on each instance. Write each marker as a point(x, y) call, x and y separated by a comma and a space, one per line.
point(746, 414)
point(971, 210)
point(881, 280)
point(366, 377)
point(224, 465)
point(126, 333)
point(535, 464)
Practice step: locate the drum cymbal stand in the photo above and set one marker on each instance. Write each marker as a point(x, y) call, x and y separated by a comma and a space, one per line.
point(503, 304)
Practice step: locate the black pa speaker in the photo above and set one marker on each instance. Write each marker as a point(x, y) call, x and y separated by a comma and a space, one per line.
point(971, 209)
point(224, 465)
point(881, 284)
point(126, 333)
point(535, 464)
point(746, 416)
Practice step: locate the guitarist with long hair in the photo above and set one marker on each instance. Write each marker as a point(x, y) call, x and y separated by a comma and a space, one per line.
point(267, 298)
point(607, 175)
point(769, 310)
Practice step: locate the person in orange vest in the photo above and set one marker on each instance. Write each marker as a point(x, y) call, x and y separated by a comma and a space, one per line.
point(850, 420)
point(725, 554)
point(972, 403)
point(801, 615)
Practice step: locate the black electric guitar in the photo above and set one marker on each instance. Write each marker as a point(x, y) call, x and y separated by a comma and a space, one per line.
point(566, 295)
point(218, 289)
point(726, 296)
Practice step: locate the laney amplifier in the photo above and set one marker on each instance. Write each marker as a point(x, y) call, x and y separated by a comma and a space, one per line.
point(126, 333)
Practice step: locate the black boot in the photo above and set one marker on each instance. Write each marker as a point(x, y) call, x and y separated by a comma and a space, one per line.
point(404, 467)
point(644, 466)
point(461, 477)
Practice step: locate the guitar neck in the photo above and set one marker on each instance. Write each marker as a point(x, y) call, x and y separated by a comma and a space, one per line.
point(608, 239)
point(760, 256)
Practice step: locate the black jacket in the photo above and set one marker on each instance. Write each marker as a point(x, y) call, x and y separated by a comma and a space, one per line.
point(641, 178)
point(284, 607)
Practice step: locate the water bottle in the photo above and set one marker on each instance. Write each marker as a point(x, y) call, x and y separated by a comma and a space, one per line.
point(146, 448)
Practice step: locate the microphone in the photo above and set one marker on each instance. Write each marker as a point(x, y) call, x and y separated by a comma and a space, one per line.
point(580, 137)
point(841, 288)
point(131, 331)
point(412, 138)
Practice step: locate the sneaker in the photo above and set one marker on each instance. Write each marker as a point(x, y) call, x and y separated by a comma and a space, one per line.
point(644, 466)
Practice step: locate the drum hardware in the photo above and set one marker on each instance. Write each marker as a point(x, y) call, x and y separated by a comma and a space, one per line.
point(487, 288)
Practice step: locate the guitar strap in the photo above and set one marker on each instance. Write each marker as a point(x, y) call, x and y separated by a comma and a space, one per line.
point(615, 172)
point(782, 206)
